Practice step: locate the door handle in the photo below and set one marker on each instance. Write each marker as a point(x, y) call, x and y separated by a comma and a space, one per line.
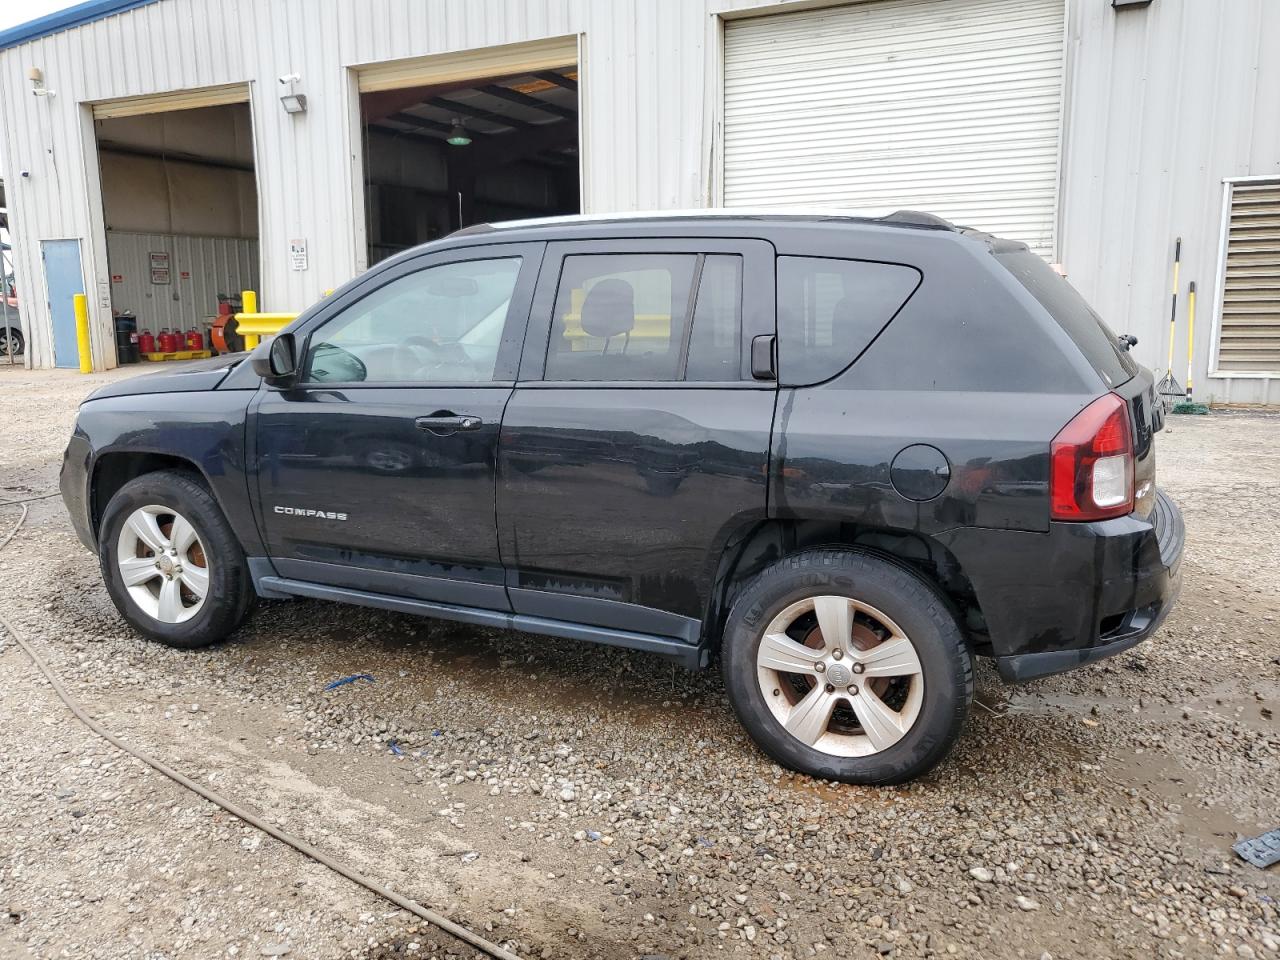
point(764, 363)
point(443, 423)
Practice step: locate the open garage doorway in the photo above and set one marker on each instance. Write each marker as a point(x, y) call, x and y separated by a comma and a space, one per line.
point(444, 155)
point(180, 205)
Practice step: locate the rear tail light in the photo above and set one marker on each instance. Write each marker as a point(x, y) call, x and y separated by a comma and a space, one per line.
point(1091, 463)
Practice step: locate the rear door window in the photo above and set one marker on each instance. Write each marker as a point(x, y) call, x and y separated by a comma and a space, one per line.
point(830, 310)
point(715, 342)
point(648, 317)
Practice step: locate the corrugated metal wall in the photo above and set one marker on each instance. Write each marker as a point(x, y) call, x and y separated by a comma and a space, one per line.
point(307, 165)
point(1161, 104)
point(213, 265)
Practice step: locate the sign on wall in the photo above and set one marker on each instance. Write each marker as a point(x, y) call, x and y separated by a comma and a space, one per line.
point(215, 264)
point(298, 254)
point(159, 267)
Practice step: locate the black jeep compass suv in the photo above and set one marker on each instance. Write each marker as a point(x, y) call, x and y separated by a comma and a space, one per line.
point(842, 455)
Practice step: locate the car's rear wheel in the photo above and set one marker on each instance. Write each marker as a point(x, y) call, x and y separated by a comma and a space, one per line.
point(846, 665)
point(172, 564)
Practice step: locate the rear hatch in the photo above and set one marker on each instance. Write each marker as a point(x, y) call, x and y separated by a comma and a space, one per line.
point(1100, 346)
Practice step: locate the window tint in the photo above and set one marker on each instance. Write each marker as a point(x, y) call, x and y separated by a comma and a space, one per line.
point(627, 317)
point(443, 324)
point(715, 343)
point(620, 317)
point(830, 310)
point(1073, 314)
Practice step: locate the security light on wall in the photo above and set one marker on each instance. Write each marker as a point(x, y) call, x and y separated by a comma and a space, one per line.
point(292, 102)
point(458, 136)
point(38, 89)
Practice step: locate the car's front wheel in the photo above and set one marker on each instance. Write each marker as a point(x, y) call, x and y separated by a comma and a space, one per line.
point(846, 665)
point(171, 562)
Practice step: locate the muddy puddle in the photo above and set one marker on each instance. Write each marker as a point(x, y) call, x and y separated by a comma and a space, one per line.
point(1253, 705)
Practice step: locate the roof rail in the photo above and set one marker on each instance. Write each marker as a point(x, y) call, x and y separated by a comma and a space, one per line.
point(918, 218)
point(911, 218)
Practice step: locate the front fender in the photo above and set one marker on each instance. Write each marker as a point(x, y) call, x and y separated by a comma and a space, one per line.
point(204, 429)
point(73, 482)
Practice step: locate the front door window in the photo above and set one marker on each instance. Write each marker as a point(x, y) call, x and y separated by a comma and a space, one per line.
point(443, 324)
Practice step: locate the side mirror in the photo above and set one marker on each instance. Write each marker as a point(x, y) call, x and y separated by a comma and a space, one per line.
point(275, 361)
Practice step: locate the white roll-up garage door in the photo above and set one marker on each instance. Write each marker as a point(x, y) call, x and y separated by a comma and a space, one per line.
point(947, 106)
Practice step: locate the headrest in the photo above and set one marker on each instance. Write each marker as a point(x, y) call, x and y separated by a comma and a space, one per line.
point(609, 309)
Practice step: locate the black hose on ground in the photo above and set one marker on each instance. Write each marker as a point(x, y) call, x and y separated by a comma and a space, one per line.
point(233, 808)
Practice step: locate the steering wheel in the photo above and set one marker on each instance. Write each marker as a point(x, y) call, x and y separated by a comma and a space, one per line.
point(417, 356)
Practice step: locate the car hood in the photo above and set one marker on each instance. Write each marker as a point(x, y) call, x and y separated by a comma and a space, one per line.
point(186, 377)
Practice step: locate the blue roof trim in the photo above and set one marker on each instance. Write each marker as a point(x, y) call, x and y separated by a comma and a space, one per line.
point(75, 16)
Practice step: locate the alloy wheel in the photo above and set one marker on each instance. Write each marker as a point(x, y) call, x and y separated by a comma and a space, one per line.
point(163, 564)
point(10, 342)
point(840, 676)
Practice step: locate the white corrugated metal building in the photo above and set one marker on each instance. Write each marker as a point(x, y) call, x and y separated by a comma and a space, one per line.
point(1097, 132)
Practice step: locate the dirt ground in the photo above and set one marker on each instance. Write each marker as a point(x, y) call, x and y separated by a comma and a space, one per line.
point(581, 802)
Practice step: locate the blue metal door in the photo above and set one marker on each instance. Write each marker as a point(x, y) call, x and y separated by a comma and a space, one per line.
point(63, 279)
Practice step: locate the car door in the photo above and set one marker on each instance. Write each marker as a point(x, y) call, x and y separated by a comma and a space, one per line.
point(377, 470)
point(636, 441)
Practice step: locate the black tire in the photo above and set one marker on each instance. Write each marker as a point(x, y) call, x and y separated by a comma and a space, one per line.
point(230, 589)
point(918, 609)
point(12, 342)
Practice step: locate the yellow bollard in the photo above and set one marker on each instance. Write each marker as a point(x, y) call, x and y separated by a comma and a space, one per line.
point(81, 303)
point(249, 304)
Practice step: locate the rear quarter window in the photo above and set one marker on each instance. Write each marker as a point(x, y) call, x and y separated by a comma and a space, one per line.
point(830, 310)
point(1072, 312)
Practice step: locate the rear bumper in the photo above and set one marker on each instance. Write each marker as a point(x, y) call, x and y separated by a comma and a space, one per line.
point(1158, 585)
point(1029, 666)
point(1083, 592)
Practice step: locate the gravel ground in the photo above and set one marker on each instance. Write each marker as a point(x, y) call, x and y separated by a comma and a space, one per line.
point(580, 802)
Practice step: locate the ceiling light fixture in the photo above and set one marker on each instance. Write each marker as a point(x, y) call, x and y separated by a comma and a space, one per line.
point(458, 136)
